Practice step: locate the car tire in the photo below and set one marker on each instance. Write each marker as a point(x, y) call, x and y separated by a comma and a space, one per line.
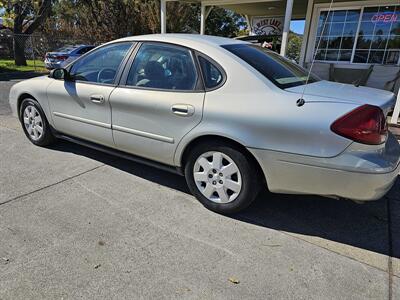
point(222, 177)
point(34, 123)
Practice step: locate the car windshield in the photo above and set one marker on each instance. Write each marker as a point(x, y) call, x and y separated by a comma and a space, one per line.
point(281, 71)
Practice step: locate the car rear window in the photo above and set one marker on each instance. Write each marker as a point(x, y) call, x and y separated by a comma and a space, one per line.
point(281, 71)
point(65, 49)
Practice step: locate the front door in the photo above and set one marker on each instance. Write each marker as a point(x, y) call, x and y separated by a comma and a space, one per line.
point(159, 102)
point(80, 105)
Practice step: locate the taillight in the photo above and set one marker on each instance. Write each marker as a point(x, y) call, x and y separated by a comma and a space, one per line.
point(365, 124)
point(61, 57)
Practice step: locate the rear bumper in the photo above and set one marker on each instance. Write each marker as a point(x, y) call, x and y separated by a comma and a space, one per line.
point(361, 172)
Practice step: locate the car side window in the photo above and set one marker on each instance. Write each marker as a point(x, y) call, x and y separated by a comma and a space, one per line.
point(212, 76)
point(162, 66)
point(100, 66)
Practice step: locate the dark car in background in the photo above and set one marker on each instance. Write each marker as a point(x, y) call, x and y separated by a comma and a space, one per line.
point(63, 56)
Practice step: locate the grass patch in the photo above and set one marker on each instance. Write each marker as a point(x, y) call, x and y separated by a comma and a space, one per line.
point(8, 65)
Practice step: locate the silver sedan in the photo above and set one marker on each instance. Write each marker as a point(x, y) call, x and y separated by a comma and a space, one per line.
point(232, 117)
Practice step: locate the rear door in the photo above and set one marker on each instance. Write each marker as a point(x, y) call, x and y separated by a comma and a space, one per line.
point(159, 100)
point(80, 107)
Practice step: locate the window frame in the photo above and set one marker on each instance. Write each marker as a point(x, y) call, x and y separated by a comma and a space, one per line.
point(121, 67)
point(355, 36)
point(199, 87)
point(361, 5)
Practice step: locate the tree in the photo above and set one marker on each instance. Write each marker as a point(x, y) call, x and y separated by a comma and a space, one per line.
point(98, 21)
point(27, 16)
point(183, 17)
point(294, 46)
point(111, 19)
point(102, 20)
point(222, 22)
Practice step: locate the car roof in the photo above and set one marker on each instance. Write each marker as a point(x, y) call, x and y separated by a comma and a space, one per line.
point(188, 40)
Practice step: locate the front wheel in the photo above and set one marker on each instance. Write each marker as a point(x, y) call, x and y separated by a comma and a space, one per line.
point(34, 123)
point(221, 177)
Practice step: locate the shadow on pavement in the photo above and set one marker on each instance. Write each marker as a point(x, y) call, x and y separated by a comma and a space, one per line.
point(8, 76)
point(162, 177)
point(364, 226)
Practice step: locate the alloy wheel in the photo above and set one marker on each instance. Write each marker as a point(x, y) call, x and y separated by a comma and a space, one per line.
point(217, 177)
point(33, 122)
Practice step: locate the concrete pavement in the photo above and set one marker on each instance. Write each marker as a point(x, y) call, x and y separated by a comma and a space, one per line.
point(77, 223)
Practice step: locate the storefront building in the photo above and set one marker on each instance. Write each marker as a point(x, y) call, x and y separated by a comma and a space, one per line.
point(363, 35)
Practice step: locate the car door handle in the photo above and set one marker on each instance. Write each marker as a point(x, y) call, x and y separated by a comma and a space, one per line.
point(183, 110)
point(99, 99)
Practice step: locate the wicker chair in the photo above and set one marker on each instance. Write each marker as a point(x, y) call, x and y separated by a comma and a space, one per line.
point(353, 76)
point(319, 69)
point(385, 78)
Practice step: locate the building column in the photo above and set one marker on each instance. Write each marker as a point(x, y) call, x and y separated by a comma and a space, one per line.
point(286, 26)
point(204, 13)
point(248, 23)
point(306, 33)
point(163, 16)
point(203, 19)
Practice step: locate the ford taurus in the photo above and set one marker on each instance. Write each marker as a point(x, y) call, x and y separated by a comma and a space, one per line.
point(231, 116)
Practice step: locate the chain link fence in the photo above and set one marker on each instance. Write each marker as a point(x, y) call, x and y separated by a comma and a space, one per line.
point(32, 48)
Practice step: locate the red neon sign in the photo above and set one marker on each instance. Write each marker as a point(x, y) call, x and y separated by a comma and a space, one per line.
point(384, 18)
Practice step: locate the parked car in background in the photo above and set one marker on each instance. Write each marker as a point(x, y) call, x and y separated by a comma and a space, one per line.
point(63, 56)
point(231, 116)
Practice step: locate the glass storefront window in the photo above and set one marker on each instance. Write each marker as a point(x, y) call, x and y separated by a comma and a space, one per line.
point(336, 34)
point(377, 40)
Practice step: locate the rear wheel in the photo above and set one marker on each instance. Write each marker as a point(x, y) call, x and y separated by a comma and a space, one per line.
point(34, 123)
point(221, 177)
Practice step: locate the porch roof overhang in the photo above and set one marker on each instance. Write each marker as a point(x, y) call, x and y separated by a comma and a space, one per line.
point(258, 7)
point(264, 7)
point(290, 9)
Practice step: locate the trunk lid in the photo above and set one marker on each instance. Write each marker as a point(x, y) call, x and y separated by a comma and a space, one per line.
point(56, 55)
point(346, 93)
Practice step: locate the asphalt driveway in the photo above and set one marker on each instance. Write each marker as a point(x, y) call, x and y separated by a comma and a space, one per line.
point(77, 223)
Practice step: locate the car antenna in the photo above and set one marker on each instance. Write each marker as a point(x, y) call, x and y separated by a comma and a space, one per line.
point(300, 102)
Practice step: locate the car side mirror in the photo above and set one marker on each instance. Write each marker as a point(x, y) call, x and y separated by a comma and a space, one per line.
point(60, 74)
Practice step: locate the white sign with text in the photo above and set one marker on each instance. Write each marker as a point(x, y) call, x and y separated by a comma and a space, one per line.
point(267, 25)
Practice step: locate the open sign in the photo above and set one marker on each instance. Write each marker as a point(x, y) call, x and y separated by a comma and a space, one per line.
point(384, 18)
